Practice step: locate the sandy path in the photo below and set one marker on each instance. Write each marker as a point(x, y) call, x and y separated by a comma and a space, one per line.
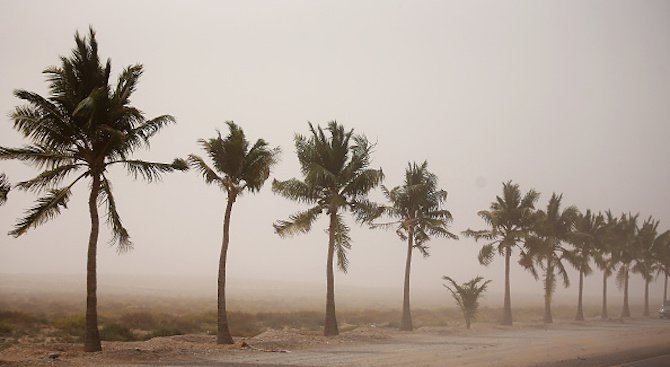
point(563, 344)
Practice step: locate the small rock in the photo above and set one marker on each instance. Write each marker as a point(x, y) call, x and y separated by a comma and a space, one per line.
point(54, 355)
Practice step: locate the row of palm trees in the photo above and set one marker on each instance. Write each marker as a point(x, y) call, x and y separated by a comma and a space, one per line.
point(86, 125)
point(550, 239)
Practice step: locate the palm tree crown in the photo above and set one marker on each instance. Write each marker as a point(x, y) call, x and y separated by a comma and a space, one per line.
point(85, 126)
point(241, 167)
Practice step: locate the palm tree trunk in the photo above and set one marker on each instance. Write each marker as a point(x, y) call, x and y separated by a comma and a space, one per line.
point(223, 332)
point(580, 311)
point(92, 335)
point(603, 313)
point(507, 303)
point(665, 288)
point(406, 321)
point(625, 312)
point(330, 328)
point(646, 298)
point(547, 292)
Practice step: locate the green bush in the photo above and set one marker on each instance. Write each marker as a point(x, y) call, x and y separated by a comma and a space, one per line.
point(165, 331)
point(71, 325)
point(116, 332)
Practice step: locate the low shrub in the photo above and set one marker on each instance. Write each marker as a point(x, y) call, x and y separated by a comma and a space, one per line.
point(116, 332)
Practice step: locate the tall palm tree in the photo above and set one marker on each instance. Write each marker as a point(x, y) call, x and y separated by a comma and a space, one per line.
point(645, 263)
point(546, 250)
point(603, 255)
point(509, 219)
point(4, 188)
point(624, 253)
point(416, 208)
point(467, 296)
point(84, 127)
point(586, 238)
point(237, 167)
point(337, 178)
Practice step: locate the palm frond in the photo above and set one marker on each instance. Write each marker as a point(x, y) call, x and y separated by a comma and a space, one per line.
point(207, 173)
point(48, 207)
point(300, 222)
point(120, 238)
point(48, 179)
point(342, 244)
point(37, 155)
point(295, 190)
point(5, 187)
point(151, 171)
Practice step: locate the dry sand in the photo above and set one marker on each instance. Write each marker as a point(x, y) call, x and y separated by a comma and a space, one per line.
point(591, 343)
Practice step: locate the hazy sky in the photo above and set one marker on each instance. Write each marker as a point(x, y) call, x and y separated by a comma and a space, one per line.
point(564, 96)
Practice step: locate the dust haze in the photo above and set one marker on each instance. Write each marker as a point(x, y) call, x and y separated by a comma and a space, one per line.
point(568, 97)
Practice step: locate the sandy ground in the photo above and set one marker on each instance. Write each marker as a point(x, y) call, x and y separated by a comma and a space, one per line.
point(592, 343)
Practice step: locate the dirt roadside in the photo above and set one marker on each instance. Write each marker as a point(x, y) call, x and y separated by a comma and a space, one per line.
point(592, 343)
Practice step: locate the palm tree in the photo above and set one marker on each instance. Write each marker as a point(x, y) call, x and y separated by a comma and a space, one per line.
point(509, 219)
point(603, 255)
point(337, 178)
point(467, 296)
point(237, 168)
point(624, 254)
point(83, 128)
point(586, 238)
point(416, 207)
point(645, 263)
point(4, 188)
point(661, 251)
point(545, 249)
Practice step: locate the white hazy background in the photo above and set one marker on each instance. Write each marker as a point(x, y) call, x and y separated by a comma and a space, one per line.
point(560, 96)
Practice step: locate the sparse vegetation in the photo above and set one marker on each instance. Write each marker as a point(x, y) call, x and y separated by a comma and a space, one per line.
point(467, 296)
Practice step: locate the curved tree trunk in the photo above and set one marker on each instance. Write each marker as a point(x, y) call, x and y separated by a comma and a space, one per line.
point(548, 279)
point(646, 298)
point(223, 332)
point(603, 312)
point(406, 321)
point(625, 312)
point(580, 311)
point(507, 303)
point(92, 335)
point(330, 328)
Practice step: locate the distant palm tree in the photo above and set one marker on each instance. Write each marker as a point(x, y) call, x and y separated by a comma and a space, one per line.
point(237, 168)
point(645, 263)
point(417, 209)
point(509, 218)
point(85, 125)
point(661, 251)
point(604, 258)
point(467, 296)
point(624, 253)
point(545, 249)
point(586, 238)
point(337, 178)
point(4, 188)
